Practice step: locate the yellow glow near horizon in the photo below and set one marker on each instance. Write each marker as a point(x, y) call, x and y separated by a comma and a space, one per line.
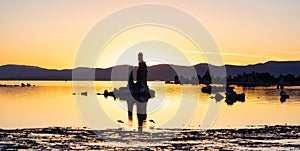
point(49, 33)
point(152, 34)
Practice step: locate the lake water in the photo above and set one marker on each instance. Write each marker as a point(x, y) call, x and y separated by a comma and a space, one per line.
point(51, 103)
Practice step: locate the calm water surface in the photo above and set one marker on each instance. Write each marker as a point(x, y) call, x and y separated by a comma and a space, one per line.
point(51, 103)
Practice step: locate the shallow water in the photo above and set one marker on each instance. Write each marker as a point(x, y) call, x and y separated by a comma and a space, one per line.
point(51, 103)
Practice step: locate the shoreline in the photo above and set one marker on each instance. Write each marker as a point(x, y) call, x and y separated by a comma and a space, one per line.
point(279, 136)
point(187, 128)
point(70, 80)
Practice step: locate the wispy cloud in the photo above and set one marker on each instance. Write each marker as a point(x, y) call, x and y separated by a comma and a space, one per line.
point(224, 53)
point(281, 51)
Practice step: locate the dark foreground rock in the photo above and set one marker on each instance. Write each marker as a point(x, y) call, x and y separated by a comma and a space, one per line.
point(268, 137)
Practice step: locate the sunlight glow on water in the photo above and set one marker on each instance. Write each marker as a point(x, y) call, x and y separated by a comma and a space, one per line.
point(51, 103)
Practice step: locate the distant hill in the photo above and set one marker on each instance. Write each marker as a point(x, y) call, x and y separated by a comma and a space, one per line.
point(156, 72)
point(273, 67)
point(22, 72)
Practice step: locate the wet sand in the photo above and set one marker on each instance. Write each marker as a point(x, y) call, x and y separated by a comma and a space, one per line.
point(264, 138)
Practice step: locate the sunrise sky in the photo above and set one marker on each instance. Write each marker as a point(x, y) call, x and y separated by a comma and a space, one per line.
point(48, 33)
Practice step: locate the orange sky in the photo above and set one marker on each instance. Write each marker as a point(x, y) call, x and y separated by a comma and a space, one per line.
point(48, 33)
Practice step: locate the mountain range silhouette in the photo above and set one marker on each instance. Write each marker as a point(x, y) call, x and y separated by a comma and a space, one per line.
point(157, 72)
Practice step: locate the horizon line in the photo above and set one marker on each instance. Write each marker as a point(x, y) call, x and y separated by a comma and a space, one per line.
point(146, 62)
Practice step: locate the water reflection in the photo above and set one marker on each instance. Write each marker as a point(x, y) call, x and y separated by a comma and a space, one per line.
point(230, 95)
point(140, 100)
point(218, 97)
point(135, 94)
point(52, 100)
point(30, 106)
point(283, 96)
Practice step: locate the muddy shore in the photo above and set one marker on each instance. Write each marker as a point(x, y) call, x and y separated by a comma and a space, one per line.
point(280, 137)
